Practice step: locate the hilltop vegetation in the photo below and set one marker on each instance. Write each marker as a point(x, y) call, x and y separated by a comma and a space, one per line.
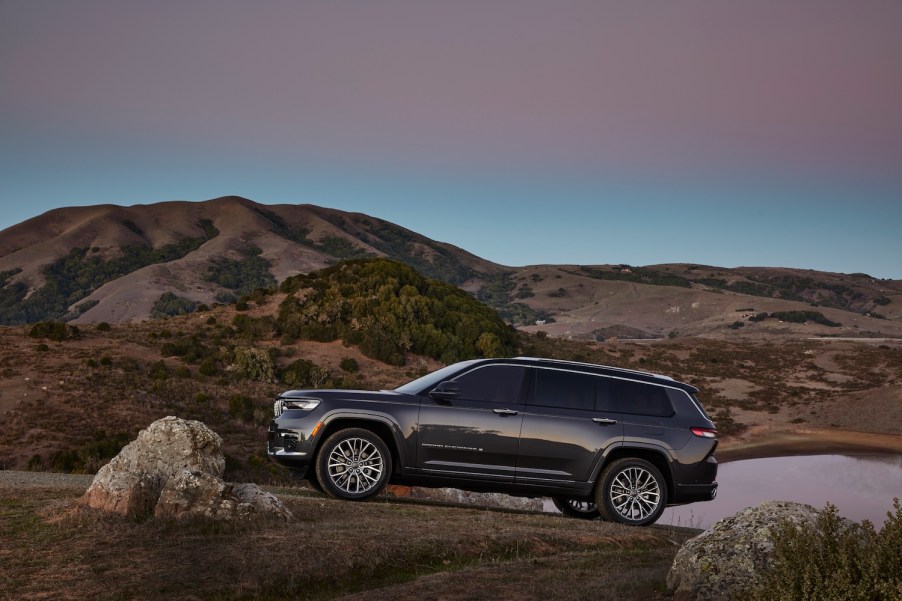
point(389, 310)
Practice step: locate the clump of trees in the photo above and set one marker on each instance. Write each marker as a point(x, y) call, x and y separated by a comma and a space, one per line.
point(54, 330)
point(241, 276)
point(389, 310)
point(169, 305)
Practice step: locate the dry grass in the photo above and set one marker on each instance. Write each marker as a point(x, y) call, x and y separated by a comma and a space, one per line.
point(52, 548)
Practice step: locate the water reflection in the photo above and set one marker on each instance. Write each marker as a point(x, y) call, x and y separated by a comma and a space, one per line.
point(861, 487)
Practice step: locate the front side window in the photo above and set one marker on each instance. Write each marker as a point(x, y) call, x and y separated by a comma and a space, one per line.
point(493, 383)
point(564, 390)
point(638, 398)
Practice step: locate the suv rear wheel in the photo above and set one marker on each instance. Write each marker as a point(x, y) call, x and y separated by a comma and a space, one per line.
point(353, 464)
point(631, 491)
point(576, 508)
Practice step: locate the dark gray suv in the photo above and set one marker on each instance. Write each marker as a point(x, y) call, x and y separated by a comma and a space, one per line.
point(601, 441)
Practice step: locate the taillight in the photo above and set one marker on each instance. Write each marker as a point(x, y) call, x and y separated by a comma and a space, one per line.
point(705, 432)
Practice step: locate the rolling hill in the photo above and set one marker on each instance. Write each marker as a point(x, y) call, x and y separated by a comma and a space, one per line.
point(123, 264)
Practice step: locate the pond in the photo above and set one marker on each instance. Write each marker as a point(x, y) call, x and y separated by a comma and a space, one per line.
point(861, 487)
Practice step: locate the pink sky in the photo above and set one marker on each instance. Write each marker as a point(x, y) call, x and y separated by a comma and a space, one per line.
point(148, 94)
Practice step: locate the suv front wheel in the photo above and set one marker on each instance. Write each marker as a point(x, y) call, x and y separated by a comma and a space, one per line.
point(353, 464)
point(631, 491)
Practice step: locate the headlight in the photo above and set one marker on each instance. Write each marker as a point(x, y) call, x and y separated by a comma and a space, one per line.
point(282, 405)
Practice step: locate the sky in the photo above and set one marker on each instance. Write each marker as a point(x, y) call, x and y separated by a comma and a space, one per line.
point(729, 133)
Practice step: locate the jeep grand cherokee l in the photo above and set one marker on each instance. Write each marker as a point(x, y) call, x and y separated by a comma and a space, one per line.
point(601, 441)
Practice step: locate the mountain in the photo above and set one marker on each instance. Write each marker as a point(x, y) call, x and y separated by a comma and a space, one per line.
point(120, 264)
point(113, 263)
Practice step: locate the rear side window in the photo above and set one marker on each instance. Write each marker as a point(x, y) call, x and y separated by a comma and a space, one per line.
point(641, 399)
point(564, 390)
point(493, 383)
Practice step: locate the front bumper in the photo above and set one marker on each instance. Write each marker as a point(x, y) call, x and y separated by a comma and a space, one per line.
point(288, 447)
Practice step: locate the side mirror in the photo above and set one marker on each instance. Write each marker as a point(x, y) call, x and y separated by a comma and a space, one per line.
point(446, 391)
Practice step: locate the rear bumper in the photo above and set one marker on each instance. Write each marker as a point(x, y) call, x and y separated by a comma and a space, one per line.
point(693, 493)
point(694, 482)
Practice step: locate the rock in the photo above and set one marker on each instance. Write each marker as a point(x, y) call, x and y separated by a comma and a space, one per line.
point(733, 556)
point(463, 497)
point(131, 483)
point(190, 494)
point(174, 468)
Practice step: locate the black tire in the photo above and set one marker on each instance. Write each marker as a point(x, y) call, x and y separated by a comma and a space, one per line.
point(631, 491)
point(577, 508)
point(353, 464)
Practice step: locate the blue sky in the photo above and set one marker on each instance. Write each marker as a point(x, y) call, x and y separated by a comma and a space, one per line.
point(765, 133)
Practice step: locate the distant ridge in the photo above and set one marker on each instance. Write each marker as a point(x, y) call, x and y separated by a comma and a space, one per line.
point(119, 264)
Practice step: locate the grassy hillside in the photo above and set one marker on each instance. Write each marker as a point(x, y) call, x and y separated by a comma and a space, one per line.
point(382, 549)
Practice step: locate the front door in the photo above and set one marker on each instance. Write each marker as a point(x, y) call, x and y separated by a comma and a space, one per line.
point(477, 433)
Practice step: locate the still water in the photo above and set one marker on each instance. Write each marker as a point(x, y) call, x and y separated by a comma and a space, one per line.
point(861, 487)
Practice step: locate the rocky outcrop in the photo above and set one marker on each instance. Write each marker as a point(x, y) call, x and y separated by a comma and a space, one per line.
point(733, 556)
point(463, 497)
point(174, 468)
point(197, 494)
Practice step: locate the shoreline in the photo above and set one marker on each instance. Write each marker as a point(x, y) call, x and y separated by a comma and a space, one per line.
point(764, 442)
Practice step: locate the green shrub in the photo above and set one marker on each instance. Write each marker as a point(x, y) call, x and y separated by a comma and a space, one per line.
point(305, 374)
point(103, 327)
point(208, 367)
point(158, 370)
point(254, 363)
point(241, 407)
point(349, 364)
point(106, 360)
point(42, 348)
point(53, 330)
point(170, 305)
point(89, 456)
point(831, 560)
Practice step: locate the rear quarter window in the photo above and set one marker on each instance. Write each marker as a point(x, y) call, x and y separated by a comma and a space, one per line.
point(638, 398)
point(563, 389)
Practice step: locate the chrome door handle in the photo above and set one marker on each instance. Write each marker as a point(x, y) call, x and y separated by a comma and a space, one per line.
point(504, 412)
point(604, 421)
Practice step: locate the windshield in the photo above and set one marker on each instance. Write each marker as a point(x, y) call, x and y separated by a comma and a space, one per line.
point(429, 380)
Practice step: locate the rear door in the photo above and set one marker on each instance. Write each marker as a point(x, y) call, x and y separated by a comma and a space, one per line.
point(477, 433)
point(568, 424)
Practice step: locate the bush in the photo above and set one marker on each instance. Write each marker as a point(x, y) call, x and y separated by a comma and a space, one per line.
point(254, 363)
point(170, 305)
point(53, 330)
point(241, 407)
point(42, 348)
point(103, 327)
point(305, 374)
point(349, 364)
point(208, 367)
point(831, 560)
point(158, 370)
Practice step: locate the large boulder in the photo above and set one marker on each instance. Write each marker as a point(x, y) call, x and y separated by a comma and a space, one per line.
point(735, 554)
point(174, 468)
